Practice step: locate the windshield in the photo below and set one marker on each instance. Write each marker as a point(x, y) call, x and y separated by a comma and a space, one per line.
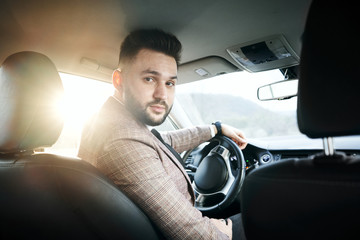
point(232, 98)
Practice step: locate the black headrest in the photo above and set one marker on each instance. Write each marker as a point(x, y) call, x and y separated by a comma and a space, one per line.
point(30, 91)
point(329, 86)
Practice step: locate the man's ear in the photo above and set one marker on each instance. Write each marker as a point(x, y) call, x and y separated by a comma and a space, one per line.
point(117, 79)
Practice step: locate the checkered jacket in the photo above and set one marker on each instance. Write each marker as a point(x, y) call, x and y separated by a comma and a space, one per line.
point(146, 171)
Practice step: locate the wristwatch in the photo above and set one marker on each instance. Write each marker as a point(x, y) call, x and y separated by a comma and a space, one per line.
point(218, 127)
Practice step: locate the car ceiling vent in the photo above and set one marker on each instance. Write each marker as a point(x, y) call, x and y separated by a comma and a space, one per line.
point(264, 54)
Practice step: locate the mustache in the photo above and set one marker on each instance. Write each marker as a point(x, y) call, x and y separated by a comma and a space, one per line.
point(159, 102)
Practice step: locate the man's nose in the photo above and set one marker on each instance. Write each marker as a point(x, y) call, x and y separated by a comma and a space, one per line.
point(160, 91)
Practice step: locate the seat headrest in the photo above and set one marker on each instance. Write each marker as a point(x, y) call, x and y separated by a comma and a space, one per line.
point(30, 91)
point(328, 94)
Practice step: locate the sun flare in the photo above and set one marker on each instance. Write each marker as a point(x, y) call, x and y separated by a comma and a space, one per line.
point(83, 97)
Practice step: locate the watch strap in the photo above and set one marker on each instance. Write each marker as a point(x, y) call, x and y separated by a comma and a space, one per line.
point(218, 127)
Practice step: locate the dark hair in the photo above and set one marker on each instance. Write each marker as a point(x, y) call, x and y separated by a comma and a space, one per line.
point(153, 39)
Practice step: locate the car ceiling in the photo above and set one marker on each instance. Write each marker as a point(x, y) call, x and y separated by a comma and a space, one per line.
point(83, 37)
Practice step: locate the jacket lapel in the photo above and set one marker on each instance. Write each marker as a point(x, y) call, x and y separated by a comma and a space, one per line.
point(176, 162)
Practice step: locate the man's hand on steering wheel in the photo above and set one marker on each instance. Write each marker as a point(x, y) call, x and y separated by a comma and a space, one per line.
point(234, 134)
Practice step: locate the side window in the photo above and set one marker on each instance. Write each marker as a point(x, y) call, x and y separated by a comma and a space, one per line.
point(83, 97)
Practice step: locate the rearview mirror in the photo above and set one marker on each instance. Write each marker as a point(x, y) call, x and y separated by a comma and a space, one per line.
point(281, 90)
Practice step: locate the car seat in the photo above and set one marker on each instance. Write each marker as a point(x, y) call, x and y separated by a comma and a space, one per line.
point(317, 197)
point(48, 196)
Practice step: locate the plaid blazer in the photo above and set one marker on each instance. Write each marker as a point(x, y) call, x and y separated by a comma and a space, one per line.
point(146, 171)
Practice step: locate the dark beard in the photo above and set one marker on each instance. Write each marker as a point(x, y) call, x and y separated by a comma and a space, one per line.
point(133, 106)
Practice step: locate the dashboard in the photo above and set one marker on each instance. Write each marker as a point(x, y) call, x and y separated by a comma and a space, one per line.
point(264, 151)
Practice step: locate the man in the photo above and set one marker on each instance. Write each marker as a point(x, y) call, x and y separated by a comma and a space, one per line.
point(118, 142)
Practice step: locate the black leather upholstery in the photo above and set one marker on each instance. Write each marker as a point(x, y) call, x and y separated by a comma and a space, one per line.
point(317, 197)
point(46, 196)
point(328, 95)
point(303, 199)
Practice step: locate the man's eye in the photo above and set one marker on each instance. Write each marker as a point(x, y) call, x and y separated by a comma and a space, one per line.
point(170, 84)
point(149, 79)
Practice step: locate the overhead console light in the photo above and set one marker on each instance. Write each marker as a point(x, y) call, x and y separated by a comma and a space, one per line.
point(202, 72)
point(264, 54)
point(204, 68)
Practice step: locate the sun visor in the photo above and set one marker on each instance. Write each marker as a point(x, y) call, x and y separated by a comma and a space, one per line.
point(264, 54)
point(204, 68)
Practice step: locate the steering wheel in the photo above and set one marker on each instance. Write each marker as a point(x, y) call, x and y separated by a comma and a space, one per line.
point(218, 172)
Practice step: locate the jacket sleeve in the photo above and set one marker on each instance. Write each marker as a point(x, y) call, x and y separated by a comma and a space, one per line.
point(187, 138)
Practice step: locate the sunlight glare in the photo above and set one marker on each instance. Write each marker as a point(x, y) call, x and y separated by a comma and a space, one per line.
point(83, 98)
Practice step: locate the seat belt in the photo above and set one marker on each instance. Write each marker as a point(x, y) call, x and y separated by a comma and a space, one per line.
point(172, 150)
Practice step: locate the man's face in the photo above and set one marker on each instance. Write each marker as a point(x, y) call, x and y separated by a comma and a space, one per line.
point(149, 86)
